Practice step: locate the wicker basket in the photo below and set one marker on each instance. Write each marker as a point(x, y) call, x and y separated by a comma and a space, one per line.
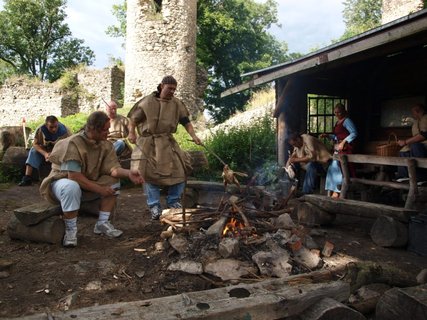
point(390, 149)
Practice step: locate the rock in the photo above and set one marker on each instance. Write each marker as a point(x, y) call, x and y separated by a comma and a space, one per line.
point(229, 269)
point(422, 277)
point(306, 258)
point(94, 286)
point(228, 247)
point(179, 243)
point(284, 221)
point(12, 136)
point(66, 302)
point(273, 264)
point(191, 267)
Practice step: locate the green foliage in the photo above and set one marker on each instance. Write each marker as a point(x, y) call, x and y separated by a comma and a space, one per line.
point(9, 173)
point(73, 122)
point(233, 39)
point(360, 16)
point(5, 71)
point(244, 149)
point(118, 31)
point(36, 41)
point(184, 140)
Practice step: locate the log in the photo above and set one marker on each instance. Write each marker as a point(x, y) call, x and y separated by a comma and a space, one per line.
point(36, 212)
point(330, 309)
point(311, 215)
point(266, 300)
point(363, 273)
point(388, 232)
point(406, 303)
point(50, 230)
point(358, 208)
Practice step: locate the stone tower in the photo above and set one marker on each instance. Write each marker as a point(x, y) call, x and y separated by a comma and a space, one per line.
point(395, 9)
point(161, 40)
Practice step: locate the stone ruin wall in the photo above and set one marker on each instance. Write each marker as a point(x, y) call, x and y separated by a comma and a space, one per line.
point(98, 85)
point(34, 100)
point(395, 9)
point(159, 44)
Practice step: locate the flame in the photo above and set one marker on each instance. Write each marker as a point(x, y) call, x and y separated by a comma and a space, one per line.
point(232, 227)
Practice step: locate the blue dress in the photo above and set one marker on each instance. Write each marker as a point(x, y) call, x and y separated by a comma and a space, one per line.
point(334, 174)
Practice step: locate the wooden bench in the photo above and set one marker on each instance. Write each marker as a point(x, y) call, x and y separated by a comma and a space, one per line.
point(412, 164)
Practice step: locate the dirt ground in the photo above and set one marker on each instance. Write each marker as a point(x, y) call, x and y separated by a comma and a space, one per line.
point(102, 271)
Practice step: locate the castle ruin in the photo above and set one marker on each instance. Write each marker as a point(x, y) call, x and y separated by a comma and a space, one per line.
point(161, 40)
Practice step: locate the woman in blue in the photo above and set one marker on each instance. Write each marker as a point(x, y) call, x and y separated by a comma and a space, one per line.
point(343, 137)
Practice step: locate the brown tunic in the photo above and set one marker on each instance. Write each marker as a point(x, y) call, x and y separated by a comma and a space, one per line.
point(97, 161)
point(157, 154)
point(118, 128)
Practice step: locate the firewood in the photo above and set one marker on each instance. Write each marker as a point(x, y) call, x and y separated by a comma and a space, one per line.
point(363, 273)
point(406, 303)
point(388, 232)
point(50, 230)
point(327, 309)
point(312, 215)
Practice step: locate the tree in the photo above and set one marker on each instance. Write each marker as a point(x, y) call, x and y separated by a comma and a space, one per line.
point(36, 41)
point(360, 16)
point(119, 11)
point(232, 39)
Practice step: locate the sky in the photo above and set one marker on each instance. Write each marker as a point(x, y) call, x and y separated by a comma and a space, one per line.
point(306, 24)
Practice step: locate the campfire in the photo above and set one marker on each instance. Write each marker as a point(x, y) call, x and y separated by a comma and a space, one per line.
point(248, 236)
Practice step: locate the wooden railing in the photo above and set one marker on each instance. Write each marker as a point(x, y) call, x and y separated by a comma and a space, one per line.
point(411, 163)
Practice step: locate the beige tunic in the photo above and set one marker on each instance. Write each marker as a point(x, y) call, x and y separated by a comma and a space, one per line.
point(314, 149)
point(417, 127)
point(118, 128)
point(97, 161)
point(157, 154)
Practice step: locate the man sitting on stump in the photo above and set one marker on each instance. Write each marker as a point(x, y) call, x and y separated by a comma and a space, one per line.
point(86, 161)
point(44, 139)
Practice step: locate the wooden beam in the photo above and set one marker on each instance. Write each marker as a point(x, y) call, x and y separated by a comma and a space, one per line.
point(358, 208)
point(364, 42)
point(387, 161)
point(270, 299)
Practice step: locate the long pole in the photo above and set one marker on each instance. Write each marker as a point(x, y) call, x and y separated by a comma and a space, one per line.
point(25, 133)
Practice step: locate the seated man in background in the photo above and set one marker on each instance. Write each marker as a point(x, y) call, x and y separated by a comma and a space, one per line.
point(310, 154)
point(415, 146)
point(86, 161)
point(118, 128)
point(44, 139)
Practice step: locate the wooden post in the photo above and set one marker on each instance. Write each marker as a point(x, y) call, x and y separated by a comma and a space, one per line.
point(388, 232)
point(413, 189)
point(346, 176)
point(312, 215)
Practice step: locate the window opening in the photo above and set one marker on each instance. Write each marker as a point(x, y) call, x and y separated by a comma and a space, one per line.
point(320, 117)
point(158, 6)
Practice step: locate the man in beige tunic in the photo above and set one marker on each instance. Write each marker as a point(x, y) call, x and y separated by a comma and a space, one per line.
point(118, 128)
point(415, 146)
point(310, 154)
point(86, 161)
point(157, 155)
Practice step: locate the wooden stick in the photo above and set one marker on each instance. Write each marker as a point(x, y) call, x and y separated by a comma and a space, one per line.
point(245, 219)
